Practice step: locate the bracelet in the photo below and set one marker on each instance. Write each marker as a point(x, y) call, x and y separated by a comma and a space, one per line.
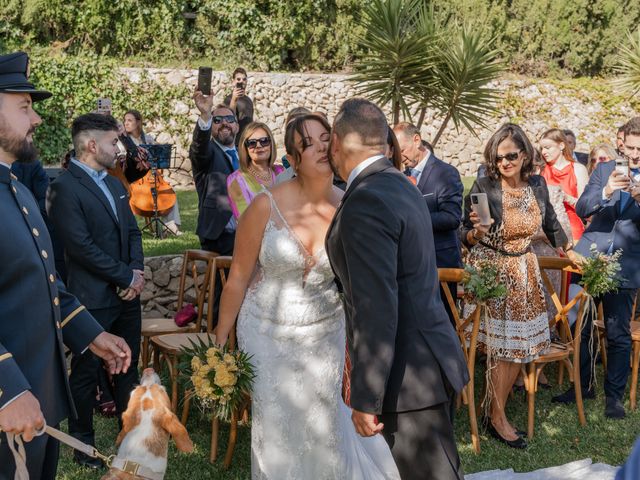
point(473, 234)
point(568, 248)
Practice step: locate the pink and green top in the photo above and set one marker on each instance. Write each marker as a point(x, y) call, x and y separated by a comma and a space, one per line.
point(243, 187)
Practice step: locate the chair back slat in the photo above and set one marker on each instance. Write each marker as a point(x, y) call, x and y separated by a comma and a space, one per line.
point(191, 262)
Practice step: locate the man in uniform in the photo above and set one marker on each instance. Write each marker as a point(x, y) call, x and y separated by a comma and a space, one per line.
point(36, 313)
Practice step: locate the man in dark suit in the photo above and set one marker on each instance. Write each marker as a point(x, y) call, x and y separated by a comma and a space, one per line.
point(407, 362)
point(611, 199)
point(213, 158)
point(37, 314)
point(103, 252)
point(581, 157)
point(442, 189)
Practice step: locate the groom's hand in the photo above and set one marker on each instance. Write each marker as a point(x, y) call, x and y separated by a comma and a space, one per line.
point(366, 423)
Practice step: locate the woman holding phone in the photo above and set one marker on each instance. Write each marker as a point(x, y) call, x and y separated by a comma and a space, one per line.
point(502, 214)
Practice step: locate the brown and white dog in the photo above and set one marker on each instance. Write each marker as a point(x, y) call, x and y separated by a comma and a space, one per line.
point(146, 426)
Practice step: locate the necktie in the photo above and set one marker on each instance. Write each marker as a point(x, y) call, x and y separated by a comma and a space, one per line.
point(234, 158)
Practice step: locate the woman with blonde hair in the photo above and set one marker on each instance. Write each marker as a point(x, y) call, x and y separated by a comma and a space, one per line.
point(562, 171)
point(601, 153)
point(257, 172)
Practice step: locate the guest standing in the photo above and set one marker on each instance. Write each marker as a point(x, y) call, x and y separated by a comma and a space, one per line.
point(601, 153)
point(257, 170)
point(564, 171)
point(214, 157)
point(611, 200)
point(516, 330)
point(239, 102)
point(103, 253)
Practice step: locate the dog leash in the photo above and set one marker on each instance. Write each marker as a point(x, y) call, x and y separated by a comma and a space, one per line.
point(16, 446)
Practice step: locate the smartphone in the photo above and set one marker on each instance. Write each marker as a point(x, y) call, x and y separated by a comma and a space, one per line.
point(622, 166)
point(104, 106)
point(240, 85)
point(204, 80)
point(480, 205)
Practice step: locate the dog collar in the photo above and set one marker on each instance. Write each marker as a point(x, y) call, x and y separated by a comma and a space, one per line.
point(134, 468)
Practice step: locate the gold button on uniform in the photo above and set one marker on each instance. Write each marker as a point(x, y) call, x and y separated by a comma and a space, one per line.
point(35, 232)
point(24, 209)
point(44, 254)
point(56, 302)
point(58, 325)
point(14, 189)
point(52, 278)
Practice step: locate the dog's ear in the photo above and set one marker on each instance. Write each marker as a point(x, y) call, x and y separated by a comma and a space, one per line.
point(171, 424)
point(130, 418)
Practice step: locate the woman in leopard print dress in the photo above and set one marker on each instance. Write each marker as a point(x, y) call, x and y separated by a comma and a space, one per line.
point(516, 330)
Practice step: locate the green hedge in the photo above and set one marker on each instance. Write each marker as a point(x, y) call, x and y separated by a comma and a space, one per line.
point(77, 81)
point(538, 37)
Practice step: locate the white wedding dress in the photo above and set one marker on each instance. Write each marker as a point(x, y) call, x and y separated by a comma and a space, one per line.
point(293, 324)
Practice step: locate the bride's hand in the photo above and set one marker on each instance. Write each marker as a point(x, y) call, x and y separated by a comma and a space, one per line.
point(221, 340)
point(366, 423)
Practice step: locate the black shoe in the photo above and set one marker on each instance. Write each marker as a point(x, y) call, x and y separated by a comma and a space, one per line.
point(614, 408)
point(521, 433)
point(570, 396)
point(86, 461)
point(518, 443)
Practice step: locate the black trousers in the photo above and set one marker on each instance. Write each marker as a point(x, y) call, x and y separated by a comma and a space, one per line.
point(223, 244)
point(124, 321)
point(617, 308)
point(42, 458)
point(422, 442)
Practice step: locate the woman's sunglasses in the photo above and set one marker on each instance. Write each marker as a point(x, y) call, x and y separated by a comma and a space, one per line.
point(511, 156)
point(252, 143)
point(600, 159)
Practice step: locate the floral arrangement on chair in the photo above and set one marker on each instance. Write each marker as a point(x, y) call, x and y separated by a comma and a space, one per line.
point(482, 283)
point(600, 272)
point(219, 378)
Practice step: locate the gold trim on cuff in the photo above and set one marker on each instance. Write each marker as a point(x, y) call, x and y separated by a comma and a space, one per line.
point(5, 356)
point(69, 317)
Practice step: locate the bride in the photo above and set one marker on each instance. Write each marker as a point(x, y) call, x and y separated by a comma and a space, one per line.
point(290, 318)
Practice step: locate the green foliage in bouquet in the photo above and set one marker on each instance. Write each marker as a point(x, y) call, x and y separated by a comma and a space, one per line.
point(482, 282)
point(219, 379)
point(600, 272)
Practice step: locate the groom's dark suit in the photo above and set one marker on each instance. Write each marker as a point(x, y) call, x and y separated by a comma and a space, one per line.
point(406, 357)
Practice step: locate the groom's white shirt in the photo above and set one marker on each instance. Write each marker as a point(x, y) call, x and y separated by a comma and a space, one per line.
point(358, 170)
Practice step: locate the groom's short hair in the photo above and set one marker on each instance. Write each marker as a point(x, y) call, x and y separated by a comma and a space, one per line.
point(364, 118)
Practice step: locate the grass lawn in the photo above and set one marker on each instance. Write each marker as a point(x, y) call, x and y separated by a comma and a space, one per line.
point(558, 439)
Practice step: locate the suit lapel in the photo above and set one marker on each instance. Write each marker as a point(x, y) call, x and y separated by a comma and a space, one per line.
point(226, 156)
point(120, 203)
point(90, 185)
point(426, 172)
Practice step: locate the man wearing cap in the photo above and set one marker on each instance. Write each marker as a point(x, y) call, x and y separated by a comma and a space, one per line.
point(36, 313)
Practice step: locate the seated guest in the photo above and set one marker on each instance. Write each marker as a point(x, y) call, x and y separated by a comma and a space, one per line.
point(580, 157)
point(257, 170)
point(442, 189)
point(516, 329)
point(133, 129)
point(239, 102)
point(601, 153)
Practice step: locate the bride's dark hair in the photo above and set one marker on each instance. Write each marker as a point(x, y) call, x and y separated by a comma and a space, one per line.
point(297, 125)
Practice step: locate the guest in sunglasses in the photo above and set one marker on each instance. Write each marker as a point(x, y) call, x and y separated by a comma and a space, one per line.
point(600, 154)
point(515, 330)
point(563, 171)
point(257, 171)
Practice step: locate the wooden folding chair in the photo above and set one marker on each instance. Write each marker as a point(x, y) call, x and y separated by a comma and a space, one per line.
point(167, 347)
point(567, 350)
point(635, 349)
point(469, 343)
point(191, 268)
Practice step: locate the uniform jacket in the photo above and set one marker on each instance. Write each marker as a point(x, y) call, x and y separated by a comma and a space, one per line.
point(101, 250)
point(402, 343)
point(37, 314)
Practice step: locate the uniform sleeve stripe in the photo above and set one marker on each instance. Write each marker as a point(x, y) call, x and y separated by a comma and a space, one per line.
point(71, 315)
point(5, 356)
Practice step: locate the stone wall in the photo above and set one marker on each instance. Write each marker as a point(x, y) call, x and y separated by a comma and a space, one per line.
point(162, 280)
point(589, 107)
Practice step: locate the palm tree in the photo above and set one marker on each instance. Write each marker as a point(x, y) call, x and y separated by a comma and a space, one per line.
point(412, 60)
point(629, 65)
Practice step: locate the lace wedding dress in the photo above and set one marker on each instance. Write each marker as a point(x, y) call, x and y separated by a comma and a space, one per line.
point(292, 322)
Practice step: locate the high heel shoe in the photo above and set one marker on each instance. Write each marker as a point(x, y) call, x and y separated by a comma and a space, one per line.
point(518, 443)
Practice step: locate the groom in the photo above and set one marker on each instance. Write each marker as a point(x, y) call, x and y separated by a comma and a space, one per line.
point(407, 363)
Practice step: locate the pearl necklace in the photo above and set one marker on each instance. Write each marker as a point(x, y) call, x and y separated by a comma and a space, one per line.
point(263, 177)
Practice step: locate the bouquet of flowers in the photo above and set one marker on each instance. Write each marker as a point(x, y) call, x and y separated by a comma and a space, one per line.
point(218, 378)
point(481, 283)
point(600, 272)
